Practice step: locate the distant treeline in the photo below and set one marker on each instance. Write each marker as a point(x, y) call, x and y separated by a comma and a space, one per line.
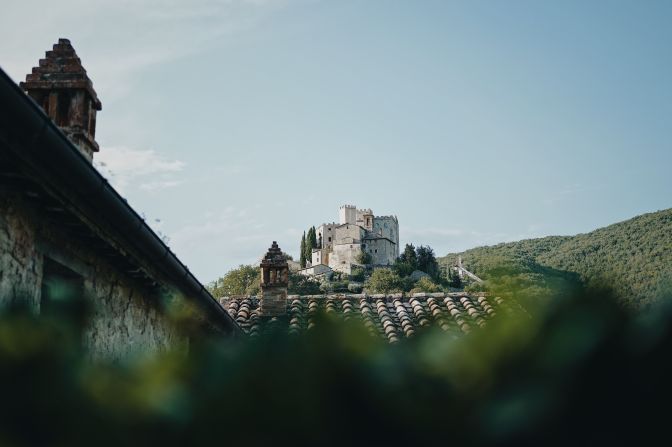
point(634, 257)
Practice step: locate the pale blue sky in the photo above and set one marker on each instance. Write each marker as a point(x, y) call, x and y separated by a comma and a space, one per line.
point(239, 122)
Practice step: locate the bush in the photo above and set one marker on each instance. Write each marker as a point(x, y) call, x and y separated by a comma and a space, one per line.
point(358, 274)
point(302, 285)
point(384, 281)
point(354, 287)
point(426, 285)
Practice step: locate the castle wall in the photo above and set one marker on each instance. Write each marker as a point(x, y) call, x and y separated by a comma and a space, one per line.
point(382, 251)
point(327, 232)
point(343, 256)
point(387, 226)
point(320, 256)
point(365, 218)
point(347, 214)
point(125, 317)
point(350, 234)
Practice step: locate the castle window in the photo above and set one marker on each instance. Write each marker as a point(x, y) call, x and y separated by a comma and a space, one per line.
point(329, 238)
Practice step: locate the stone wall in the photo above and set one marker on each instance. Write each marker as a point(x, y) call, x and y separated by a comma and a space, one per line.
point(126, 316)
point(387, 226)
point(343, 256)
point(382, 251)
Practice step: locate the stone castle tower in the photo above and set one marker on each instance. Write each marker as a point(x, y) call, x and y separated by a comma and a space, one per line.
point(274, 282)
point(60, 85)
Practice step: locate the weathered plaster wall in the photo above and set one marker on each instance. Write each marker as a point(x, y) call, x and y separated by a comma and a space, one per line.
point(126, 317)
point(20, 263)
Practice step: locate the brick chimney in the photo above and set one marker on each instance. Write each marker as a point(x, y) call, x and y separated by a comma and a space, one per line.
point(61, 87)
point(274, 282)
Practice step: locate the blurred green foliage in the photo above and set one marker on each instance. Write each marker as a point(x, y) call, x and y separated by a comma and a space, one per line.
point(634, 257)
point(582, 371)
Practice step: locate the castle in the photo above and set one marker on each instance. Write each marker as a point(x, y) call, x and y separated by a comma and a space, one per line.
point(339, 245)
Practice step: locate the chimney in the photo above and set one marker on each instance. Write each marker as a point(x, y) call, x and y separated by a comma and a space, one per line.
point(274, 282)
point(61, 87)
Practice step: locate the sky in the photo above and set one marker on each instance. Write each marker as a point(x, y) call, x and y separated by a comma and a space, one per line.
point(233, 123)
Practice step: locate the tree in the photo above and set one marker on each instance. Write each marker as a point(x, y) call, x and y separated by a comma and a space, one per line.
point(302, 285)
point(243, 280)
point(384, 281)
point(408, 256)
point(311, 242)
point(427, 261)
point(454, 278)
point(302, 256)
point(407, 262)
point(312, 236)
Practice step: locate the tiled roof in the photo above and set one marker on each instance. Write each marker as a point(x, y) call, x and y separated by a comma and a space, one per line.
point(390, 316)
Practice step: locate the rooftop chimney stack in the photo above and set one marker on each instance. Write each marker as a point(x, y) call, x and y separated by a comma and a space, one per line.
point(62, 88)
point(274, 282)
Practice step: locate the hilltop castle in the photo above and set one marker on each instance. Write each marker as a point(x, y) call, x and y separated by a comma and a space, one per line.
point(358, 231)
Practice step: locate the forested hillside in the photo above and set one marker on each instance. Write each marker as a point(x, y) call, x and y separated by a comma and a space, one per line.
point(634, 257)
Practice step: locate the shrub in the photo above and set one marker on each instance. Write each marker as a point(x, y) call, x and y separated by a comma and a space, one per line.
point(358, 274)
point(384, 281)
point(354, 287)
point(426, 285)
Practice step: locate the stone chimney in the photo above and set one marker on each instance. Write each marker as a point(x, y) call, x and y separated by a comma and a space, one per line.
point(274, 282)
point(61, 87)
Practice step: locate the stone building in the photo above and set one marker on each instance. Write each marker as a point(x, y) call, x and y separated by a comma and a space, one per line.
point(61, 223)
point(340, 244)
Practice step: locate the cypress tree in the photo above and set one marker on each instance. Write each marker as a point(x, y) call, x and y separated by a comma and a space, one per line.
point(313, 238)
point(309, 245)
point(302, 257)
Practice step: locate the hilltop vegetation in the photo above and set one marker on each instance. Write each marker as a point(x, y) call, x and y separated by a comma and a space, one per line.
point(634, 257)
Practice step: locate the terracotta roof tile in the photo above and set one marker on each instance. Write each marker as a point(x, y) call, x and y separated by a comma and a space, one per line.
point(391, 317)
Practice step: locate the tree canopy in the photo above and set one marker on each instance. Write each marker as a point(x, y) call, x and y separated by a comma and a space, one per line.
point(384, 281)
point(243, 280)
point(634, 257)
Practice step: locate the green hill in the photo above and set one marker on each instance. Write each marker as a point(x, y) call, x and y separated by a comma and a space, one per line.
point(634, 257)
